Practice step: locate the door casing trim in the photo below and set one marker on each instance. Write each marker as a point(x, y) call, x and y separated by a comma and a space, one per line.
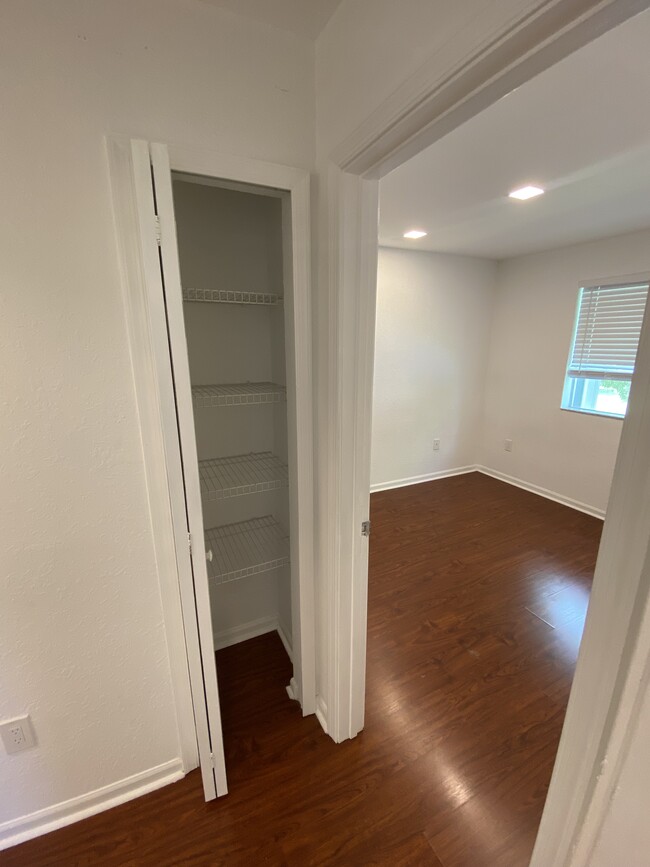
point(153, 424)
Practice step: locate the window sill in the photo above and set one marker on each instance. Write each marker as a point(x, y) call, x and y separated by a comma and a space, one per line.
point(593, 412)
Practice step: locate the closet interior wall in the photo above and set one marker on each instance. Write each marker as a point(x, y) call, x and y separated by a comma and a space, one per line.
point(231, 258)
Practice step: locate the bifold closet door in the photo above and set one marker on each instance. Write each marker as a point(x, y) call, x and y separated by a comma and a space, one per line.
point(153, 189)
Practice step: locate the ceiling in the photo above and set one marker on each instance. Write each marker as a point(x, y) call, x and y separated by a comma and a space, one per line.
point(305, 17)
point(581, 130)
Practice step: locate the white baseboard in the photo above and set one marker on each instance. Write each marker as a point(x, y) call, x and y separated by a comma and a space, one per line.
point(65, 813)
point(228, 637)
point(285, 640)
point(542, 492)
point(292, 691)
point(237, 634)
point(321, 713)
point(496, 474)
point(416, 480)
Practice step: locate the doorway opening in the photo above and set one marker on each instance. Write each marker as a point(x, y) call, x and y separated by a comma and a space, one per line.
point(488, 491)
point(232, 264)
point(219, 313)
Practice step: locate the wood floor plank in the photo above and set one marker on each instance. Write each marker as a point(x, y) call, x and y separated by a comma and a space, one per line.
point(477, 592)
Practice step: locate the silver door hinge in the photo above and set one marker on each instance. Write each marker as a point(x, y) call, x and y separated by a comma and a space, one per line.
point(365, 528)
point(189, 541)
point(212, 761)
point(156, 226)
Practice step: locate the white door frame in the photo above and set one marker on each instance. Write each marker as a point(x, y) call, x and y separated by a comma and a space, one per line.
point(159, 431)
point(298, 331)
point(425, 108)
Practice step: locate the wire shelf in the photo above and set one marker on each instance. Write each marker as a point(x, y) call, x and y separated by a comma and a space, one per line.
point(246, 548)
point(238, 475)
point(228, 296)
point(238, 394)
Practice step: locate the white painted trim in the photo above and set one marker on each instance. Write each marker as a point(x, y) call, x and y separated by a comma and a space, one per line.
point(321, 713)
point(237, 634)
point(253, 629)
point(543, 492)
point(429, 104)
point(74, 810)
point(292, 690)
point(244, 171)
point(284, 638)
point(298, 331)
point(236, 186)
point(495, 474)
point(418, 480)
point(351, 285)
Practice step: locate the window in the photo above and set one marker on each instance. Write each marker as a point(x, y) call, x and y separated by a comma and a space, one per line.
point(603, 350)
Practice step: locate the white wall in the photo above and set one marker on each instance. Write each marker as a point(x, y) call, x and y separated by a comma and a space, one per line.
point(82, 641)
point(473, 353)
point(432, 338)
point(569, 453)
point(228, 238)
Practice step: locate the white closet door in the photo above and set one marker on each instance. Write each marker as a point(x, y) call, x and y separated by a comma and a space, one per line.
point(153, 187)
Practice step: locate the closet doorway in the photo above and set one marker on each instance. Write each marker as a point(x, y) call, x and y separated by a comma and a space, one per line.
point(216, 268)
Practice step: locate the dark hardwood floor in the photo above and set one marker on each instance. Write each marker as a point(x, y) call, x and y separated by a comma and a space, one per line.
point(478, 592)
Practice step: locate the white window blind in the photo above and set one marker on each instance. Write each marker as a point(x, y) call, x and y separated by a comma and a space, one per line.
point(607, 331)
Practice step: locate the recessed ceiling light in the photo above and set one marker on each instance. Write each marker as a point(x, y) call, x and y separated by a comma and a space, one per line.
point(524, 193)
point(415, 233)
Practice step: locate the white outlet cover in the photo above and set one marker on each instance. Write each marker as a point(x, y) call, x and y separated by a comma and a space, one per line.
point(17, 734)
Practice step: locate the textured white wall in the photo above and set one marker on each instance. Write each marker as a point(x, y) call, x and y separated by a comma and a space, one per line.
point(81, 635)
point(433, 328)
point(569, 453)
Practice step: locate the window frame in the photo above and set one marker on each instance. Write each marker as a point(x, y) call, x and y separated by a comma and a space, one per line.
point(643, 277)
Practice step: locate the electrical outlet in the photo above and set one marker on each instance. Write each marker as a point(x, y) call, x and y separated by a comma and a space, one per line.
point(436, 445)
point(17, 734)
point(508, 445)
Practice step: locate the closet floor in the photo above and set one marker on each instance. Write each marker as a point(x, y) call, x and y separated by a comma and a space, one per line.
point(477, 598)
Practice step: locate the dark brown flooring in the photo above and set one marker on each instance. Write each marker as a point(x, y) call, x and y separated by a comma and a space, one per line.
point(477, 598)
